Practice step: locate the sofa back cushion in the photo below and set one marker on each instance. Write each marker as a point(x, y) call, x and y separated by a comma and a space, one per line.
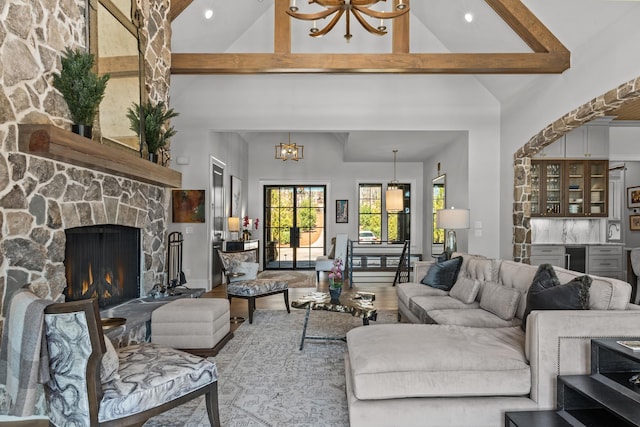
point(518, 276)
point(465, 289)
point(500, 300)
point(604, 294)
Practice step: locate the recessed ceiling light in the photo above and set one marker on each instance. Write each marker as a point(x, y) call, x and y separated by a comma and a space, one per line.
point(208, 14)
point(468, 16)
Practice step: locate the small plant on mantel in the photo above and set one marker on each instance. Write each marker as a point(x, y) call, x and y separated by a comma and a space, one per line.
point(154, 117)
point(81, 87)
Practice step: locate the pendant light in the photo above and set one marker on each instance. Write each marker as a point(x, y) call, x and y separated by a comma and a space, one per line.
point(393, 196)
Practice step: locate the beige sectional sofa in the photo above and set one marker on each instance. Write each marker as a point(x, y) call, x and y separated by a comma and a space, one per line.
point(465, 363)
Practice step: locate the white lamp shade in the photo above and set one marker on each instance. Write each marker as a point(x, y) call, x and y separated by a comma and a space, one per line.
point(394, 202)
point(452, 219)
point(234, 224)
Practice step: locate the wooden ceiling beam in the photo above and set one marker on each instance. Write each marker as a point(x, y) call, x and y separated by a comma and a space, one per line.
point(526, 25)
point(429, 63)
point(177, 7)
point(549, 56)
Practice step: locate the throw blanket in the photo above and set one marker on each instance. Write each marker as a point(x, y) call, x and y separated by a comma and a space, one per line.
point(23, 354)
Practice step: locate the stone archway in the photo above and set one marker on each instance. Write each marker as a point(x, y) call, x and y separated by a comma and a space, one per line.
point(597, 107)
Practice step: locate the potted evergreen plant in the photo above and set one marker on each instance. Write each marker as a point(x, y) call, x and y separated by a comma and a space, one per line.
point(154, 117)
point(81, 87)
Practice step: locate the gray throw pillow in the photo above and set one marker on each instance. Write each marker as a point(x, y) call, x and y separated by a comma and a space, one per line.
point(500, 300)
point(443, 274)
point(546, 293)
point(465, 289)
point(250, 270)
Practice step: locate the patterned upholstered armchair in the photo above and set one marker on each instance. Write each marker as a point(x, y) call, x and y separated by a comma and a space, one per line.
point(92, 384)
point(241, 271)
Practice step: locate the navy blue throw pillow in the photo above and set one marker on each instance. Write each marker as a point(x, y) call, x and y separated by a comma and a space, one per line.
point(443, 275)
point(546, 293)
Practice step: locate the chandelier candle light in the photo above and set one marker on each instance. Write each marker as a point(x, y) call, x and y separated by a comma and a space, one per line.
point(358, 8)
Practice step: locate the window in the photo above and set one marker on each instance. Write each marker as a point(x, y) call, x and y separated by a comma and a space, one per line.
point(399, 223)
point(370, 212)
point(371, 227)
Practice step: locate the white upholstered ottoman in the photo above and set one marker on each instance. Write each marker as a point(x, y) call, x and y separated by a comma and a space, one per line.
point(196, 325)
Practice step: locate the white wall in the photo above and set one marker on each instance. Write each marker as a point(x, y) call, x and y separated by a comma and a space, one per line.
point(331, 103)
point(199, 145)
point(454, 163)
point(597, 66)
point(323, 165)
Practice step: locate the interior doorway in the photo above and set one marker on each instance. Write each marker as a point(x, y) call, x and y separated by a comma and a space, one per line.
point(294, 227)
point(217, 217)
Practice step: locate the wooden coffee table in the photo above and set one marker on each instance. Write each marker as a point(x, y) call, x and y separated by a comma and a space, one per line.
point(355, 306)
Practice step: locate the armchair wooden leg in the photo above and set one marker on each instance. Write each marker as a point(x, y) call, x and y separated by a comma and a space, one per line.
point(286, 300)
point(212, 405)
point(252, 307)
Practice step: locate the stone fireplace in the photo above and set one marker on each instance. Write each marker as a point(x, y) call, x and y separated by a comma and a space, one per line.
point(49, 197)
point(102, 261)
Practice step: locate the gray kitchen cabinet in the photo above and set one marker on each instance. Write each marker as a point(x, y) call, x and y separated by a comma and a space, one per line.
point(590, 142)
point(606, 260)
point(547, 254)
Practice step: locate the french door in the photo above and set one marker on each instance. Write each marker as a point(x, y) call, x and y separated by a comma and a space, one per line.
point(294, 225)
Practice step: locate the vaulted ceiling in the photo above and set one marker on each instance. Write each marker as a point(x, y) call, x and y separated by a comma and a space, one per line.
point(509, 44)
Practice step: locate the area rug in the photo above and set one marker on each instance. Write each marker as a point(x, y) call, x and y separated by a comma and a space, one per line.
point(266, 381)
point(295, 278)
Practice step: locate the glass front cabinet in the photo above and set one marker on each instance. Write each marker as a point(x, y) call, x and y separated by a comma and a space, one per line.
point(569, 188)
point(546, 188)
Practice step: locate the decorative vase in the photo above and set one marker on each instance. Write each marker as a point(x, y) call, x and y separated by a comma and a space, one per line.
point(335, 289)
point(246, 235)
point(153, 157)
point(83, 130)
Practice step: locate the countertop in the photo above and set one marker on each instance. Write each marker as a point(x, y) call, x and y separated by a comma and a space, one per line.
point(578, 244)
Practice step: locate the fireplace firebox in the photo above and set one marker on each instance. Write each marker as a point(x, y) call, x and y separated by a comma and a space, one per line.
point(102, 261)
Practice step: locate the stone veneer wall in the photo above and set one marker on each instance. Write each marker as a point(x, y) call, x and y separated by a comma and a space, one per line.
point(39, 198)
point(597, 107)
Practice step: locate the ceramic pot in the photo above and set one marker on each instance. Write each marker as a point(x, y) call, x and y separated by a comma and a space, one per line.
point(153, 157)
point(82, 130)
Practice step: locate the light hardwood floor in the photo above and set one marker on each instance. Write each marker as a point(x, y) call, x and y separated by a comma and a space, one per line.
point(385, 297)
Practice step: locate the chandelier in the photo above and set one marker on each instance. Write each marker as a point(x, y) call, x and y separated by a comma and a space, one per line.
point(393, 196)
point(357, 8)
point(290, 151)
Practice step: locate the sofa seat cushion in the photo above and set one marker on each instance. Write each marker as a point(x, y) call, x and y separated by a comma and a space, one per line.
point(150, 375)
point(400, 360)
point(408, 290)
point(422, 305)
point(473, 317)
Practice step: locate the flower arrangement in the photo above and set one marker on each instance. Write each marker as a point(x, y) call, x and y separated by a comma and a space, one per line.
point(246, 223)
point(335, 275)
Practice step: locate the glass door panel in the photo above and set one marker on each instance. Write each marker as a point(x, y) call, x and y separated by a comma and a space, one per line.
point(554, 184)
point(576, 180)
point(598, 181)
point(294, 226)
point(535, 189)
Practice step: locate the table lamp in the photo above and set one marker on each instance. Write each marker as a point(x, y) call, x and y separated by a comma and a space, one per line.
point(451, 220)
point(233, 225)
